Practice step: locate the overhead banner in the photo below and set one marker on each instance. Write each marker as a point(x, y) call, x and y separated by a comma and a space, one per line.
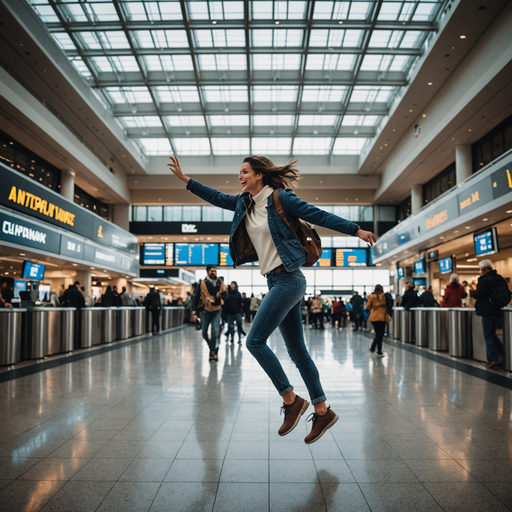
point(29, 197)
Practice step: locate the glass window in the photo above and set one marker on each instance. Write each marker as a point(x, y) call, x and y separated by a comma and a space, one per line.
point(343, 278)
point(317, 120)
point(227, 215)
point(128, 94)
point(348, 146)
point(274, 93)
point(185, 121)
point(152, 11)
point(211, 214)
point(273, 120)
point(230, 146)
point(191, 213)
point(278, 10)
point(225, 94)
point(177, 94)
point(222, 62)
point(160, 39)
point(198, 146)
point(168, 62)
point(219, 38)
point(276, 61)
point(277, 38)
point(312, 146)
point(154, 214)
point(323, 94)
point(173, 213)
point(335, 38)
point(140, 213)
point(228, 120)
point(215, 10)
point(331, 62)
point(271, 146)
point(140, 121)
point(155, 147)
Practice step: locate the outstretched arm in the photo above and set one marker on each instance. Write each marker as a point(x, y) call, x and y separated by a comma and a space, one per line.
point(209, 194)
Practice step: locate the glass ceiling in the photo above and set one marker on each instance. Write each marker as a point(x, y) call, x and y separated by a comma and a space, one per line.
point(234, 77)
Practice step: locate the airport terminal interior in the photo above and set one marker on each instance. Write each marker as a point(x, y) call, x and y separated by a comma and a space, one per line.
point(116, 392)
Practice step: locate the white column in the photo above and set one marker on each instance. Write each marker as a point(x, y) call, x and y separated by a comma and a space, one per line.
point(84, 276)
point(122, 216)
point(416, 198)
point(463, 165)
point(67, 185)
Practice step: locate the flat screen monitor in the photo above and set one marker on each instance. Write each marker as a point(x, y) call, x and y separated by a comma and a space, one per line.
point(19, 286)
point(432, 255)
point(419, 267)
point(486, 243)
point(350, 257)
point(446, 265)
point(33, 271)
point(419, 281)
point(225, 258)
point(43, 292)
point(400, 272)
point(158, 254)
point(325, 259)
point(196, 254)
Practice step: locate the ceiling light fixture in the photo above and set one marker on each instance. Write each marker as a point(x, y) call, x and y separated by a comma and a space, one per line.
point(340, 22)
point(277, 22)
point(214, 23)
point(430, 83)
point(485, 219)
point(462, 36)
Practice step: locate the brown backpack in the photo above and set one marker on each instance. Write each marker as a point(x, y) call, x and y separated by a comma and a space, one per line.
point(307, 236)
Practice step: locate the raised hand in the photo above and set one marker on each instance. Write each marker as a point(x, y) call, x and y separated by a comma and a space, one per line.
point(175, 167)
point(366, 236)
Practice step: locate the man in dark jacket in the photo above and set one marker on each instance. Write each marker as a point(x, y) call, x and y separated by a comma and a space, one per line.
point(234, 308)
point(108, 299)
point(154, 304)
point(427, 299)
point(357, 303)
point(73, 297)
point(410, 298)
point(490, 313)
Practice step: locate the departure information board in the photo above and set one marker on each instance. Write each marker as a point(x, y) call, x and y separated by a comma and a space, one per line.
point(158, 254)
point(446, 265)
point(350, 257)
point(325, 259)
point(486, 243)
point(197, 254)
point(225, 258)
point(419, 267)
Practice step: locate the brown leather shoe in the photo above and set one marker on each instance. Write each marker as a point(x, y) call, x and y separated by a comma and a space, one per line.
point(320, 425)
point(292, 414)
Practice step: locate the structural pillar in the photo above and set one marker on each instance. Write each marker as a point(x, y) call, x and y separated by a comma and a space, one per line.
point(67, 185)
point(122, 216)
point(84, 276)
point(416, 198)
point(463, 164)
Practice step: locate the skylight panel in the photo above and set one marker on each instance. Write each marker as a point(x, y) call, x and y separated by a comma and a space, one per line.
point(335, 38)
point(141, 121)
point(184, 121)
point(128, 95)
point(273, 120)
point(331, 62)
point(407, 10)
point(312, 146)
point(323, 94)
point(219, 38)
point(74, 12)
point(64, 41)
point(359, 10)
point(222, 62)
point(276, 62)
point(81, 67)
point(228, 120)
point(124, 64)
point(177, 94)
point(156, 147)
point(412, 39)
point(161, 38)
point(102, 11)
point(317, 120)
point(369, 94)
point(348, 145)
point(46, 13)
point(331, 10)
point(274, 93)
point(152, 11)
point(168, 63)
point(360, 120)
point(278, 10)
point(215, 10)
point(230, 146)
point(192, 147)
point(389, 11)
point(425, 12)
point(271, 146)
point(376, 62)
point(400, 63)
point(103, 40)
point(386, 39)
point(225, 93)
point(277, 38)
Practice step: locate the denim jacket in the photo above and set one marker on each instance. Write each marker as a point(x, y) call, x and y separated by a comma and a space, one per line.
point(288, 246)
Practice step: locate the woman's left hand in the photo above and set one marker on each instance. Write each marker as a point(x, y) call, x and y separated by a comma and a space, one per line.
point(366, 236)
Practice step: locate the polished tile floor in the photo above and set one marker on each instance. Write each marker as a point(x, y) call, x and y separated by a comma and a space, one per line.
point(156, 427)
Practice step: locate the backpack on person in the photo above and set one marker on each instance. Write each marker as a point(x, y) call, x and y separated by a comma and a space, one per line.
point(307, 236)
point(500, 296)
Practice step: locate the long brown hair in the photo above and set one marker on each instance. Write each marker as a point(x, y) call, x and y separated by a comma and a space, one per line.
point(378, 289)
point(274, 175)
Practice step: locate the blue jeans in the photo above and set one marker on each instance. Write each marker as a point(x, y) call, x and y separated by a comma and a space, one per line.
point(492, 342)
point(281, 308)
point(232, 318)
point(207, 318)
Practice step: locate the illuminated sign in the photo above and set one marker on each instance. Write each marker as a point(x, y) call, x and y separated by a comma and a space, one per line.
point(445, 265)
point(325, 259)
point(472, 199)
point(350, 257)
point(188, 228)
point(436, 220)
point(501, 181)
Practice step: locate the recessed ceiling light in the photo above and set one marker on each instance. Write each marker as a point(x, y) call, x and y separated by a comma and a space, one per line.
point(485, 219)
point(22, 254)
point(340, 22)
point(430, 83)
point(424, 115)
point(214, 23)
point(180, 109)
point(470, 130)
point(410, 110)
point(441, 237)
point(467, 227)
point(462, 36)
point(277, 22)
point(75, 264)
point(509, 211)
point(356, 132)
point(226, 110)
point(456, 231)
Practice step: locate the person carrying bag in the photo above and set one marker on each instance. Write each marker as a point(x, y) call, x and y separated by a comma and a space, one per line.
point(378, 317)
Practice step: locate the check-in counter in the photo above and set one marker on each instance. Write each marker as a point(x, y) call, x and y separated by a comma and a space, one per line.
point(460, 340)
point(108, 324)
point(395, 332)
point(405, 321)
point(438, 321)
point(171, 316)
point(90, 327)
point(49, 331)
point(124, 327)
point(478, 347)
point(138, 321)
point(421, 330)
point(11, 320)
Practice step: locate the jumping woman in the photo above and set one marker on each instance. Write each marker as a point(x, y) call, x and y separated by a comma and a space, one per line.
point(259, 234)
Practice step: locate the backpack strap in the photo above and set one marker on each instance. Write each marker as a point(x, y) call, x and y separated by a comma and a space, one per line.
point(279, 207)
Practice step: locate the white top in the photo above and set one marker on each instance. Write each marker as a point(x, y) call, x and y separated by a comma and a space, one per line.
point(256, 223)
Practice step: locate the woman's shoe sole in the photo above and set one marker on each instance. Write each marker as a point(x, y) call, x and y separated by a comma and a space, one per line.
point(305, 406)
point(334, 420)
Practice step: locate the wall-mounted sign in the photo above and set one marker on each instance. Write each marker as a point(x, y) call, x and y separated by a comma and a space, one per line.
point(188, 228)
point(502, 181)
point(475, 196)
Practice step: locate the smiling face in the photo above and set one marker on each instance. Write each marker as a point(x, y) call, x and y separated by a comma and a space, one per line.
point(251, 181)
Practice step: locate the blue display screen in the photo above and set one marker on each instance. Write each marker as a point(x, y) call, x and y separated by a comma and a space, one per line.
point(197, 254)
point(486, 243)
point(350, 257)
point(157, 254)
point(33, 271)
point(400, 272)
point(325, 259)
point(446, 265)
point(225, 258)
point(419, 267)
point(19, 286)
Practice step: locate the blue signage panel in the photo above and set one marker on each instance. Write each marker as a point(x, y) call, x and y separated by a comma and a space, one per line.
point(153, 254)
point(34, 271)
point(350, 257)
point(419, 267)
point(446, 265)
point(486, 243)
point(325, 259)
point(19, 286)
point(225, 258)
point(196, 254)
point(400, 272)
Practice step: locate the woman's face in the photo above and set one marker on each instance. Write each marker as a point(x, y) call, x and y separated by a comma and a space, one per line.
point(251, 181)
